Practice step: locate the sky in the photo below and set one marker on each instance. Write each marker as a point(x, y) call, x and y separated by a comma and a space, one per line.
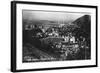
point(63, 17)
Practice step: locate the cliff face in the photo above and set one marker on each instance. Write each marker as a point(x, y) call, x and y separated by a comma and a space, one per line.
point(84, 23)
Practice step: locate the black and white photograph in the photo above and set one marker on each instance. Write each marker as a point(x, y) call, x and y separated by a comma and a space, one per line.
point(47, 36)
point(56, 36)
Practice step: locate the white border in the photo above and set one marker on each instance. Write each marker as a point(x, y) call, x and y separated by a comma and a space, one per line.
point(38, 65)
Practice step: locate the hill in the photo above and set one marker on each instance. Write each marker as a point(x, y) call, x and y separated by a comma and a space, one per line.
point(84, 23)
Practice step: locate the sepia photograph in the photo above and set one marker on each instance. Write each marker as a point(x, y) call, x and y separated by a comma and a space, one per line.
point(56, 36)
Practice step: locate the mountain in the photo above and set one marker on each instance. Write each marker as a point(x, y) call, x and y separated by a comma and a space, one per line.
point(84, 23)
